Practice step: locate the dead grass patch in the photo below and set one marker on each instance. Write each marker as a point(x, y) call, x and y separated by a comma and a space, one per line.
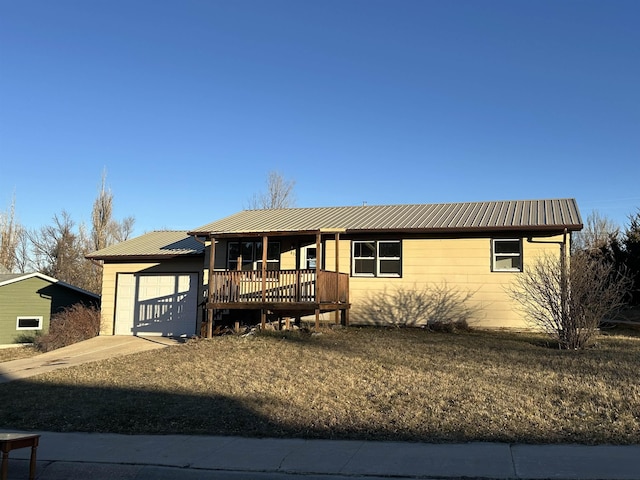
point(369, 383)
point(16, 353)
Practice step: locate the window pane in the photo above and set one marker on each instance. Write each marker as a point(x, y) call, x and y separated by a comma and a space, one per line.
point(273, 251)
point(247, 252)
point(507, 246)
point(29, 323)
point(389, 249)
point(311, 257)
point(364, 266)
point(234, 250)
point(507, 263)
point(364, 249)
point(389, 267)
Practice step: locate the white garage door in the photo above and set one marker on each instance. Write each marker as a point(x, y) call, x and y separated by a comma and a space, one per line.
point(156, 304)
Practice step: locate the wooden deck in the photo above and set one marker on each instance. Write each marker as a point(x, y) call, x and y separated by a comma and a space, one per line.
point(288, 293)
point(279, 286)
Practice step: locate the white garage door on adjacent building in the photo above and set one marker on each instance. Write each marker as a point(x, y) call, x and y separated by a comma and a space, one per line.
point(161, 305)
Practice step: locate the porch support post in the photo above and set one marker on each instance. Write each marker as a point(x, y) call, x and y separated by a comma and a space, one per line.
point(317, 289)
point(263, 319)
point(211, 311)
point(265, 241)
point(337, 298)
point(318, 253)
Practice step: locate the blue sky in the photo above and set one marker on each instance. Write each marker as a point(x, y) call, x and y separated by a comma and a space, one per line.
point(189, 104)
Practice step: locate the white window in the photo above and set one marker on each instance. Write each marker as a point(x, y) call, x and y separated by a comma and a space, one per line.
point(29, 323)
point(507, 255)
point(252, 255)
point(381, 258)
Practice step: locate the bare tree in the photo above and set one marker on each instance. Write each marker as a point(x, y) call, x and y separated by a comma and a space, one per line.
point(23, 254)
point(11, 235)
point(569, 303)
point(598, 233)
point(105, 230)
point(59, 250)
point(279, 194)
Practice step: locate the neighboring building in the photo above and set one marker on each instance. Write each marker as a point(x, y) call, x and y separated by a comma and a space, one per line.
point(319, 260)
point(29, 300)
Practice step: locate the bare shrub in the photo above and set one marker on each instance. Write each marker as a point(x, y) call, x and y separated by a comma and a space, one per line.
point(71, 325)
point(570, 305)
point(436, 306)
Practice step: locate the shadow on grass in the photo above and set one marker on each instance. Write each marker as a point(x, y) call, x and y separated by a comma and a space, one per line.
point(130, 411)
point(32, 405)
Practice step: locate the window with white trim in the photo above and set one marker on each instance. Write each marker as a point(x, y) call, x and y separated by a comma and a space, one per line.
point(506, 255)
point(29, 323)
point(381, 258)
point(252, 255)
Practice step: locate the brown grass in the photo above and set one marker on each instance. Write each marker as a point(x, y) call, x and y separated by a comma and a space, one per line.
point(15, 353)
point(391, 384)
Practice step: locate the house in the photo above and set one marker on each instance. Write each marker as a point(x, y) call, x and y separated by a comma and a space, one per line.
point(29, 300)
point(327, 262)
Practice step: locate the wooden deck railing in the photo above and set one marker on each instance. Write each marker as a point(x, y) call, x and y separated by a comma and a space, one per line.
point(279, 286)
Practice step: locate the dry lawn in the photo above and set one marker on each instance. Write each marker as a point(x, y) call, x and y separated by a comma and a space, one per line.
point(16, 353)
point(392, 384)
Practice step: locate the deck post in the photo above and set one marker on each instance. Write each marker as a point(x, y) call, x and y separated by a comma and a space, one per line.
point(265, 241)
point(337, 298)
point(317, 319)
point(318, 253)
point(263, 319)
point(211, 311)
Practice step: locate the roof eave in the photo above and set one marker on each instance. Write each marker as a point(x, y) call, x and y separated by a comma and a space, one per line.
point(505, 228)
point(49, 279)
point(143, 257)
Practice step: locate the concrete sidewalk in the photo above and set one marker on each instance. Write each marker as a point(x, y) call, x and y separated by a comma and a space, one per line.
point(180, 457)
point(92, 350)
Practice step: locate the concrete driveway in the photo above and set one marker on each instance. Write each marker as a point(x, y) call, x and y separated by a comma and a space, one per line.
point(92, 350)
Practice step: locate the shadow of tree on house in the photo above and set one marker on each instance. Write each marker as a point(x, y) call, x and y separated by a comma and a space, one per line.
point(434, 306)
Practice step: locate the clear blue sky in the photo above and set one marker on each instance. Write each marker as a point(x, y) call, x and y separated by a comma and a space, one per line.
point(188, 104)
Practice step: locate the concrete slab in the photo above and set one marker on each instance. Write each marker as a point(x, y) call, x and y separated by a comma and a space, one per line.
point(320, 456)
point(581, 462)
point(474, 460)
point(92, 350)
point(142, 457)
point(250, 454)
point(92, 471)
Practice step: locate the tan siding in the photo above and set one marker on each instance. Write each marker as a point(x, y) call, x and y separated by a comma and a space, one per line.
point(463, 264)
point(109, 282)
point(345, 255)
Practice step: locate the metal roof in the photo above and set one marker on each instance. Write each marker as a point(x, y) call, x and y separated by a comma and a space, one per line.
point(552, 214)
point(162, 244)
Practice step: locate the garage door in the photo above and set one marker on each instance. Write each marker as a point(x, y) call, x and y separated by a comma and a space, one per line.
point(156, 304)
